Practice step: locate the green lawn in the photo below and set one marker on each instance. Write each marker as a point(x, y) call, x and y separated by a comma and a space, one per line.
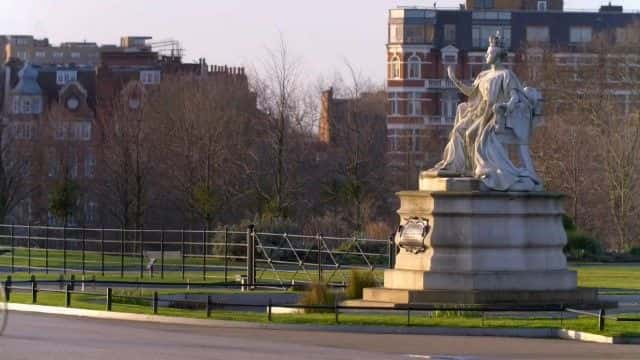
point(609, 276)
point(589, 324)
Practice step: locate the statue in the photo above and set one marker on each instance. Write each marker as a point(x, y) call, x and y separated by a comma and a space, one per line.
point(500, 112)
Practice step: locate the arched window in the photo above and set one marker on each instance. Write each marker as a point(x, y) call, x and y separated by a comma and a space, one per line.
point(414, 67)
point(395, 68)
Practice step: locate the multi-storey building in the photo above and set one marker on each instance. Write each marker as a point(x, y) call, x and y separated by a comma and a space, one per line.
point(423, 42)
point(52, 112)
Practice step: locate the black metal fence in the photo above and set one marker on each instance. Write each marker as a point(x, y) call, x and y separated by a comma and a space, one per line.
point(210, 304)
point(222, 255)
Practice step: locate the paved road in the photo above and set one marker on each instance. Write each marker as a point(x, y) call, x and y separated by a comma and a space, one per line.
point(31, 336)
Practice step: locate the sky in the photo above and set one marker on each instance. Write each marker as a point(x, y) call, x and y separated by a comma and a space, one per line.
point(321, 34)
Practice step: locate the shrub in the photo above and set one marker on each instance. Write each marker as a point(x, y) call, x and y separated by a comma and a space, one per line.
point(581, 246)
point(635, 251)
point(358, 281)
point(317, 295)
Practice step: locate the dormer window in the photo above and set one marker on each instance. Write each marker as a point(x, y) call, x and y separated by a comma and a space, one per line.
point(542, 6)
point(64, 77)
point(150, 77)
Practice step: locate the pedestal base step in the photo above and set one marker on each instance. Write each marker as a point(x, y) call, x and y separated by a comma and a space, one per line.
point(581, 297)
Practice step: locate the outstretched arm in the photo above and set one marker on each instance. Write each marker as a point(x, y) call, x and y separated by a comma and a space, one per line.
point(467, 90)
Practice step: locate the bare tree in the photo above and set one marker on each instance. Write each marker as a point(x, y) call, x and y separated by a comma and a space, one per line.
point(590, 147)
point(127, 152)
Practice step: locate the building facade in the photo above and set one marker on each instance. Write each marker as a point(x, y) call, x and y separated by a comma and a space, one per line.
point(52, 112)
point(423, 43)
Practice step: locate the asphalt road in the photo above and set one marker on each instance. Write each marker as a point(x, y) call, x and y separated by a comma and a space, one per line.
point(34, 336)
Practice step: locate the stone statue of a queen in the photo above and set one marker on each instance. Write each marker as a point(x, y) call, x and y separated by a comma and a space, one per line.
point(499, 112)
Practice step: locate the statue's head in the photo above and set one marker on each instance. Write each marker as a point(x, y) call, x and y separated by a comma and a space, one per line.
point(496, 53)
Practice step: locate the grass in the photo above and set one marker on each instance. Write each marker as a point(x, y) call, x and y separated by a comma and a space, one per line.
point(588, 324)
point(620, 277)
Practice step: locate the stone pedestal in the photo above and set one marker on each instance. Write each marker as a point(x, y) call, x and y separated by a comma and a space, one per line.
point(482, 247)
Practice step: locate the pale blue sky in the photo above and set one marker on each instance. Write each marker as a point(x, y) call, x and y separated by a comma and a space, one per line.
point(235, 32)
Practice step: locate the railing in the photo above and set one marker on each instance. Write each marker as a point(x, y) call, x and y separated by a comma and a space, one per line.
point(222, 255)
point(209, 305)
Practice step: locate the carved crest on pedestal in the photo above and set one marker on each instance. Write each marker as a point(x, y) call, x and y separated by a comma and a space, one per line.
point(412, 234)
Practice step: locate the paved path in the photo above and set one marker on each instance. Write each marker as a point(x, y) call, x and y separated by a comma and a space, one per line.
point(31, 336)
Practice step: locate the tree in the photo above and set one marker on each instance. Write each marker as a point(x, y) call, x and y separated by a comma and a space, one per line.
point(63, 199)
point(283, 146)
point(128, 151)
point(203, 122)
point(593, 138)
point(16, 163)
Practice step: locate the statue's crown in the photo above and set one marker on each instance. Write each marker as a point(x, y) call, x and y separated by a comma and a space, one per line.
point(495, 40)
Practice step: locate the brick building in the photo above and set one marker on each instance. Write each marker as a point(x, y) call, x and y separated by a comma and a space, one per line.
point(423, 42)
point(51, 111)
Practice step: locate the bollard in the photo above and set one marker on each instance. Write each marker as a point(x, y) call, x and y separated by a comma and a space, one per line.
point(61, 282)
point(67, 296)
point(34, 290)
point(251, 253)
point(72, 282)
point(7, 288)
point(601, 319)
point(336, 310)
point(82, 284)
point(209, 305)
point(408, 316)
point(155, 302)
point(269, 311)
point(109, 298)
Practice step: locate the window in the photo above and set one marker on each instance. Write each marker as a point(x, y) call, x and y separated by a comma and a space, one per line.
point(580, 34)
point(64, 77)
point(90, 165)
point(394, 104)
point(395, 68)
point(414, 67)
point(92, 212)
point(60, 131)
point(23, 131)
point(415, 104)
point(396, 35)
point(75, 55)
point(84, 132)
point(484, 4)
point(58, 54)
point(22, 55)
point(40, 54)
point(539, 34)
point(414, 34)
point(449, 33)
point(25, 105)
point(149, 77)
point(481, 34)
point(414, 140)
point(53, 163)
point(394, 141)
point(448, 106)
point(73, 169)
point(542, 6)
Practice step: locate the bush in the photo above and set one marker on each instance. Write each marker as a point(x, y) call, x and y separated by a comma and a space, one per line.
point(358, 281)
point(582, 246)
point(635, 251)
point(318, 295)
